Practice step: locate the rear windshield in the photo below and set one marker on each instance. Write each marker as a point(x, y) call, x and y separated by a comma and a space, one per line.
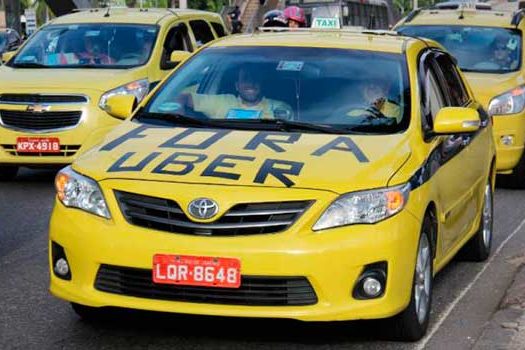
point(88, 45)
point(477, 49)
point(345, 89)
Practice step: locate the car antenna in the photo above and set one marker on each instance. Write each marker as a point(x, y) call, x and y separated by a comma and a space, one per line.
point(107, 12)
point(461, 16)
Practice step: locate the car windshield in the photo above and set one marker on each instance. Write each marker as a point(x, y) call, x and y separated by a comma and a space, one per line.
point(249, 87)
point(88, 45)
point(477, 49)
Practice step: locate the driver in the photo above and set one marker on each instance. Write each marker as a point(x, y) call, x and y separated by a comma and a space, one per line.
point(249, 103)
point(92, 53)
point(502, 53)
point(375, 96)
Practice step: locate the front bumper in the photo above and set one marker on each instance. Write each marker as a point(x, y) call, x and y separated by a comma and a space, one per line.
point(94, 125)
point(331, 260)
point(508, 156)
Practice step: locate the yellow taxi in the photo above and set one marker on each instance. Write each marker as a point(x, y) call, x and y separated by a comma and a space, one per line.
point(53, 91)
point(272, 176)
point(488, 48)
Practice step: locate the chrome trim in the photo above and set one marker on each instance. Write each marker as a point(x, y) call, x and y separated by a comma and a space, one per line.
point(87, 100)
point(207, 226)
point(47, 131)
point(264, 212)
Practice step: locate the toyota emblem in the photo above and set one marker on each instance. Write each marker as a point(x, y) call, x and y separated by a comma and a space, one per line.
point(203, 208)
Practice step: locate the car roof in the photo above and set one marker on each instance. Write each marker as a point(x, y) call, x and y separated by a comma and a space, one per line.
point(380, 41)
point(467, 17)
point(130, 15)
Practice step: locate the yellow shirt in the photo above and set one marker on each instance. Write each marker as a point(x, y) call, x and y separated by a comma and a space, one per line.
point(389, 110)
point(232, 107)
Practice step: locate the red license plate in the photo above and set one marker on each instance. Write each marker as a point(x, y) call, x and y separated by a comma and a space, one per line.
point(197, 271)
point(38, 145)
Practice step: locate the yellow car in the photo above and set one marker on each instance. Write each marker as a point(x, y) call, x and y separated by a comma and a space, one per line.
point(488, 48)
point(272, 176)
point(53, 91)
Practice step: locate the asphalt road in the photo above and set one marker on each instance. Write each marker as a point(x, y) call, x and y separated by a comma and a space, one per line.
point(465, 295)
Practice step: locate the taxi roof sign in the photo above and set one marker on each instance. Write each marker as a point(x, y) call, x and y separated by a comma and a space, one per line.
point(326, 23)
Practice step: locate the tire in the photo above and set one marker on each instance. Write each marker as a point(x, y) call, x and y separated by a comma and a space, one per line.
point(8, 172)
point(412, 323)
point(478, 247)
point(89, 313)
point(515, 180)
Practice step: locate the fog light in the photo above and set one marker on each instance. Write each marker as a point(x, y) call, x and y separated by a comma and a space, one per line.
point(371, 283)
point(372, 287)
point(507, 140)
point(62, 267)
point(59, 262)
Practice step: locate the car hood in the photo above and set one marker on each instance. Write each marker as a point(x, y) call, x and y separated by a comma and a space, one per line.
point(487, 86)
point(64, 79)
point(337, 163)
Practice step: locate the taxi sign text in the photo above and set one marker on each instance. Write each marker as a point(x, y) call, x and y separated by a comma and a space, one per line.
point(326, 23)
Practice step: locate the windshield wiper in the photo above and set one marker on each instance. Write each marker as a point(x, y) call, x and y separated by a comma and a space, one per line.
point(176, 118)
point(289, 125)
point(29, 65)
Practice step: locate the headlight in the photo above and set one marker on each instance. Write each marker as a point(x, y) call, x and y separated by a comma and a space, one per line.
point(365, 207)
point(508, 103)
point(77, 191)
point(139, 89)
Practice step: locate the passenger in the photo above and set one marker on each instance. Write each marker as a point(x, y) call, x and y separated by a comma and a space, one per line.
point(249, 103)
point(375, 95)
point(295, 17)
point(275, 18)
point(92, 53)
point(502, 53)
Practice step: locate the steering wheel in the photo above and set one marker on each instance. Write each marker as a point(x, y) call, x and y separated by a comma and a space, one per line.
point(130, 56)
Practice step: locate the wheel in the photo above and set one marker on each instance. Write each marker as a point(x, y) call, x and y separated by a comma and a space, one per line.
point(516, 179)
point(478, 247)
point(412, 323)
point(8, 172)
point(88, 313)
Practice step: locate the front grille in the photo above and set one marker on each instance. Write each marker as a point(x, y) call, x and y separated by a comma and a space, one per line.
point(254, 290)
point(39, 121)
point(243, 219)
point(35, 98)
point(65, 151)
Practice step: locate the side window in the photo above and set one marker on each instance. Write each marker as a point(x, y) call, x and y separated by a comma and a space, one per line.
point(202, 32)
point(436, 100)
point(219, 29)
point(176, 40)
point(456, 91)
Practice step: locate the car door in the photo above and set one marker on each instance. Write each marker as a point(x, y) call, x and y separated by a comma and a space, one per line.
point(474, 169)
point(177, 38)
point(448, 157)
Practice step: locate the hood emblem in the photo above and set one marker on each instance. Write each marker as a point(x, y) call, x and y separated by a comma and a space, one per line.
point(38, 108)
point(203, 208)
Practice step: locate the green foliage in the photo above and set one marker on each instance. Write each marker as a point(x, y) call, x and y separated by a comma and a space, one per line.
point(405, 6)
point(208, 5)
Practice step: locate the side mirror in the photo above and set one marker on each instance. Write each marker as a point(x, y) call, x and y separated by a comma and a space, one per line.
point(6, 56)
point(179, 56)
point(456, 120)
point(121, 106)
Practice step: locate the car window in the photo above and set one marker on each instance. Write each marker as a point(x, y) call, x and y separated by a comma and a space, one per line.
point(436, 100)
point(219, 29)
point(202, 32)
point(177, 39)
point(319, 86)
point(89, 45)
point(454, 86)
point(477, 49)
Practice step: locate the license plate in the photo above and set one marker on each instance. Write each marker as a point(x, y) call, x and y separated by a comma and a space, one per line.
point(197, 271)
point(38, 145)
